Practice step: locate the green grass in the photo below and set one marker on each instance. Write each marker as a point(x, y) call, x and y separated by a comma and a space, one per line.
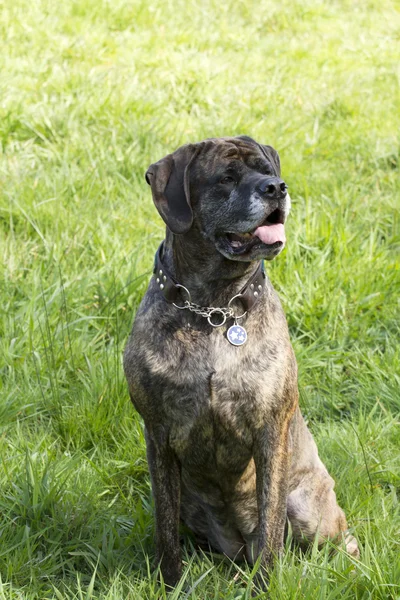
point(92, 92)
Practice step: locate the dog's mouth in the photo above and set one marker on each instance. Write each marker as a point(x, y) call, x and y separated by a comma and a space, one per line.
point(269, 235)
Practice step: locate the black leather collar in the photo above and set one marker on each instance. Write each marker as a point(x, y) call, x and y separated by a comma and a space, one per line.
point(248, 295)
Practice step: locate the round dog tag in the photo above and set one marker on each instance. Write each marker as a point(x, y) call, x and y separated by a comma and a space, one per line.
point(236, 335)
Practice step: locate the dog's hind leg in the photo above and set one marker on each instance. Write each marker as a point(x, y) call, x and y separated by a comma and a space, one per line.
point(312, 507)
point(312, 510)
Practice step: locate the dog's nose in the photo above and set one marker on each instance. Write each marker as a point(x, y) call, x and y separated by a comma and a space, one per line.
point(272, 187)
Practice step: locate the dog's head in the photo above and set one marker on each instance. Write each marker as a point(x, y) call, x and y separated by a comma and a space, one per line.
point(227, 189)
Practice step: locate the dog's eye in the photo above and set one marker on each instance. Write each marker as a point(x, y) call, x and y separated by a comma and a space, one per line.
point(228, 180)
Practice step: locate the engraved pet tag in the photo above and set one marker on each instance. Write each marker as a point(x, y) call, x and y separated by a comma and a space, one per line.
point(236, 335)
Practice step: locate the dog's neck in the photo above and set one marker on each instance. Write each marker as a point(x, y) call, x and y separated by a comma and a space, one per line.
point(211, 278)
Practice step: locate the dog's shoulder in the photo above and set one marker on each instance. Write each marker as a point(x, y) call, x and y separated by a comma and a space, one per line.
point(164, 355)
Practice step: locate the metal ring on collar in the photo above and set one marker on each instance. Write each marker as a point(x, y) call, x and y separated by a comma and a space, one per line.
point(217, 310)
point(229, 306)
point(178, 285)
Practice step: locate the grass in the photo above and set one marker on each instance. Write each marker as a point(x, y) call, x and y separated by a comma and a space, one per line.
point(92, 92)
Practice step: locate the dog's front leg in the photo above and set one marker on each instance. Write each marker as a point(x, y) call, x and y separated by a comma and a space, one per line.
point(271, 456)
point(165, 482)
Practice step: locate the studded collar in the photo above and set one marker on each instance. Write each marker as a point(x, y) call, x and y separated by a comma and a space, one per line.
point(248, 295)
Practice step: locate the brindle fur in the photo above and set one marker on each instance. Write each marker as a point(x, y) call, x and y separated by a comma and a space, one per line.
point(228, 450)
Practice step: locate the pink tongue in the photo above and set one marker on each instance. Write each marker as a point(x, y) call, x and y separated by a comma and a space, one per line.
point(269, 234)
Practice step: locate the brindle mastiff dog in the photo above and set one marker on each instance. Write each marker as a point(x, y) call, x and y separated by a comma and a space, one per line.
point(228, 449)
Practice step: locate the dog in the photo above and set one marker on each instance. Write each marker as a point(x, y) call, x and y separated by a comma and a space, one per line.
point(211, 370)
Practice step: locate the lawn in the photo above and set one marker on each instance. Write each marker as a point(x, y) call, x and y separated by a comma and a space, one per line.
point(92, 92)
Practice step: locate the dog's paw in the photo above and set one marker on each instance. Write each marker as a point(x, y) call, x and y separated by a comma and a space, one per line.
point(351, 545)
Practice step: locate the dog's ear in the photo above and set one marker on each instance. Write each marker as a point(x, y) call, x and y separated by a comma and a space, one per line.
point(169, 181)
point(273, 157)
point(269, 152)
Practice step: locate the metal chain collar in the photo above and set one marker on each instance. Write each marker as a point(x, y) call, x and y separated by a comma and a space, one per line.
point(208, 311)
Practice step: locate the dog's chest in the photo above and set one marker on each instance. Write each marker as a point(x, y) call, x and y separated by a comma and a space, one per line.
point(224, 396)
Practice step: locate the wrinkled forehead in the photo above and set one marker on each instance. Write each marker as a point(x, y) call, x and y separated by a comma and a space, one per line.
point(219, 153)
